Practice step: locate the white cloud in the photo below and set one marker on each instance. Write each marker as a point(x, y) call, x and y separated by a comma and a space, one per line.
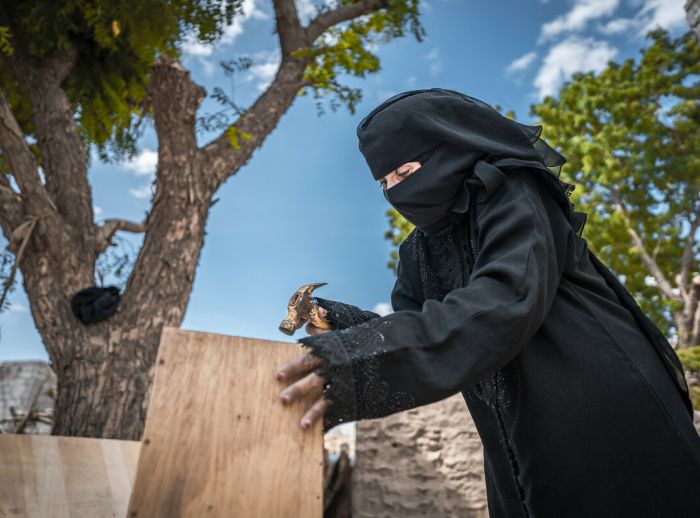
point(582, 12)
point(571, 55)
point(383, 95)
point(434, 60)
point(617, 26)
point(668, 14)
point(383, 308)
point(521, 63)
point(250, 11)
point(143, 164)
point(97, 210)
point(16, 307)
point(410, 82)
point(191, 47)
point(262, 73)
point(142, 193)
point(308, 9)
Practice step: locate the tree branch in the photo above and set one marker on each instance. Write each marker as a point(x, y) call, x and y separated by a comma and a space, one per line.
point(695, 305)
point(174, 228)
point(21, 162)
point(175, 101)
point(289, 30)
point(11, 206)
point(63, 156)
point(347, 12)
point(651, 265)
point(687, 256)
point(106, 232)
point(222, 158)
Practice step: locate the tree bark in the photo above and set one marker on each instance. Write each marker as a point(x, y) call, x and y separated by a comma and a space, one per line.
point(104, 370)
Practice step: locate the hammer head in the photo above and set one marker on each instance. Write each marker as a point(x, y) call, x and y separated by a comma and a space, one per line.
point(300, 308)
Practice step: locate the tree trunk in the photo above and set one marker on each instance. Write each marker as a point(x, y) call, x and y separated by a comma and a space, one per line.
point(688, 317)
point(104, 370)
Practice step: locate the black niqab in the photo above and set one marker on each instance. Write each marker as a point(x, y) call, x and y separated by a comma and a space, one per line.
point(455, 135)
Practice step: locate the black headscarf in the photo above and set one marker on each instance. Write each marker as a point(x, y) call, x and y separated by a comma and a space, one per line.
point(453, 136)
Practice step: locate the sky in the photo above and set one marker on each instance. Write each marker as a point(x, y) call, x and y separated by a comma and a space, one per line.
point(305, 207)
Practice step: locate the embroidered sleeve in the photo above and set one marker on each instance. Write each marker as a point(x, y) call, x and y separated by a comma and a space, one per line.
point(414, 357)
point(343, 315)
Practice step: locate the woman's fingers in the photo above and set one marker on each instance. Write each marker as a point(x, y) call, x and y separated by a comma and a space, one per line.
point(313, 330)
point(309, 383)
point(315, 413)
point(298, 366)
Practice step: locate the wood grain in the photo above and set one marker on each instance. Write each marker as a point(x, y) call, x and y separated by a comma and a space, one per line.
point(218, 443)
point(55, 477)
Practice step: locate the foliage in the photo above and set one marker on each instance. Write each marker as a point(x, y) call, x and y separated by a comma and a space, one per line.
point(347, 48)
point(632, 138)
point(690, 358)
point(7, 260)
point(118, 39)
point(231, 111)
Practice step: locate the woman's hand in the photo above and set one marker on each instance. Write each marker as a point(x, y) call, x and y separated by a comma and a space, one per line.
point(312, 329)
point(310, 383)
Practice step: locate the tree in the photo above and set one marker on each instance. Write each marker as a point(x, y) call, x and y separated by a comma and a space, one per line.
point(632, 137)
point(85, 74)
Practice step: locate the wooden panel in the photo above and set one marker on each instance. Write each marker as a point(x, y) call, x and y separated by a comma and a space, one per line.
point(217, 440)
point(54, 477)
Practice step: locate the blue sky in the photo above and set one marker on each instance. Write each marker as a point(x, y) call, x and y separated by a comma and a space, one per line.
point(305, 207)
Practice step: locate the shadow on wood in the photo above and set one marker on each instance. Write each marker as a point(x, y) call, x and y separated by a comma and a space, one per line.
point(65, 477)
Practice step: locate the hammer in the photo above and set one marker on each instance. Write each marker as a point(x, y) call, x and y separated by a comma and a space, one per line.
point(301, 308)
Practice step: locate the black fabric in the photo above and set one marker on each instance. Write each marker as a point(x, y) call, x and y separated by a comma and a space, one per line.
point(453, 135)
point(426, 196)
point(343, 315)
point(95, 303)
point(577, 414)
point(579, 400)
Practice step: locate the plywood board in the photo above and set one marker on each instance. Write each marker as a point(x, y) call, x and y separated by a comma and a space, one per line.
point(217, 442)
point(55, 477)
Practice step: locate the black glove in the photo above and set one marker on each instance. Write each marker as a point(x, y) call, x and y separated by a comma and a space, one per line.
point(343, 315)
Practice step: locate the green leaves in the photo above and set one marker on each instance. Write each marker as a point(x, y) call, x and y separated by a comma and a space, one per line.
point(348, 48)
point(5, 41)
point(632, 138)
point(117, 43)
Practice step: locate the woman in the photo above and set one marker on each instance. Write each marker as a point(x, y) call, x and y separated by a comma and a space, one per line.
point(579, 400)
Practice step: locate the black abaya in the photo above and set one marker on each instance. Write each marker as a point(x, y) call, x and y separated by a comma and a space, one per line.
point(577, 403)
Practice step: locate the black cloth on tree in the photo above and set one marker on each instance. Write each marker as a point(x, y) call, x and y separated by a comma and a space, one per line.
point(95, 303)
point(579, 400)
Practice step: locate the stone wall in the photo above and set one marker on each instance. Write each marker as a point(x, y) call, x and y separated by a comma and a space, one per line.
point(423, 462)
point(23, 384)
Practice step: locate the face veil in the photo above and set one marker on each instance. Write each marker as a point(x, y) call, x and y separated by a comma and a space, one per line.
point(451, 132)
